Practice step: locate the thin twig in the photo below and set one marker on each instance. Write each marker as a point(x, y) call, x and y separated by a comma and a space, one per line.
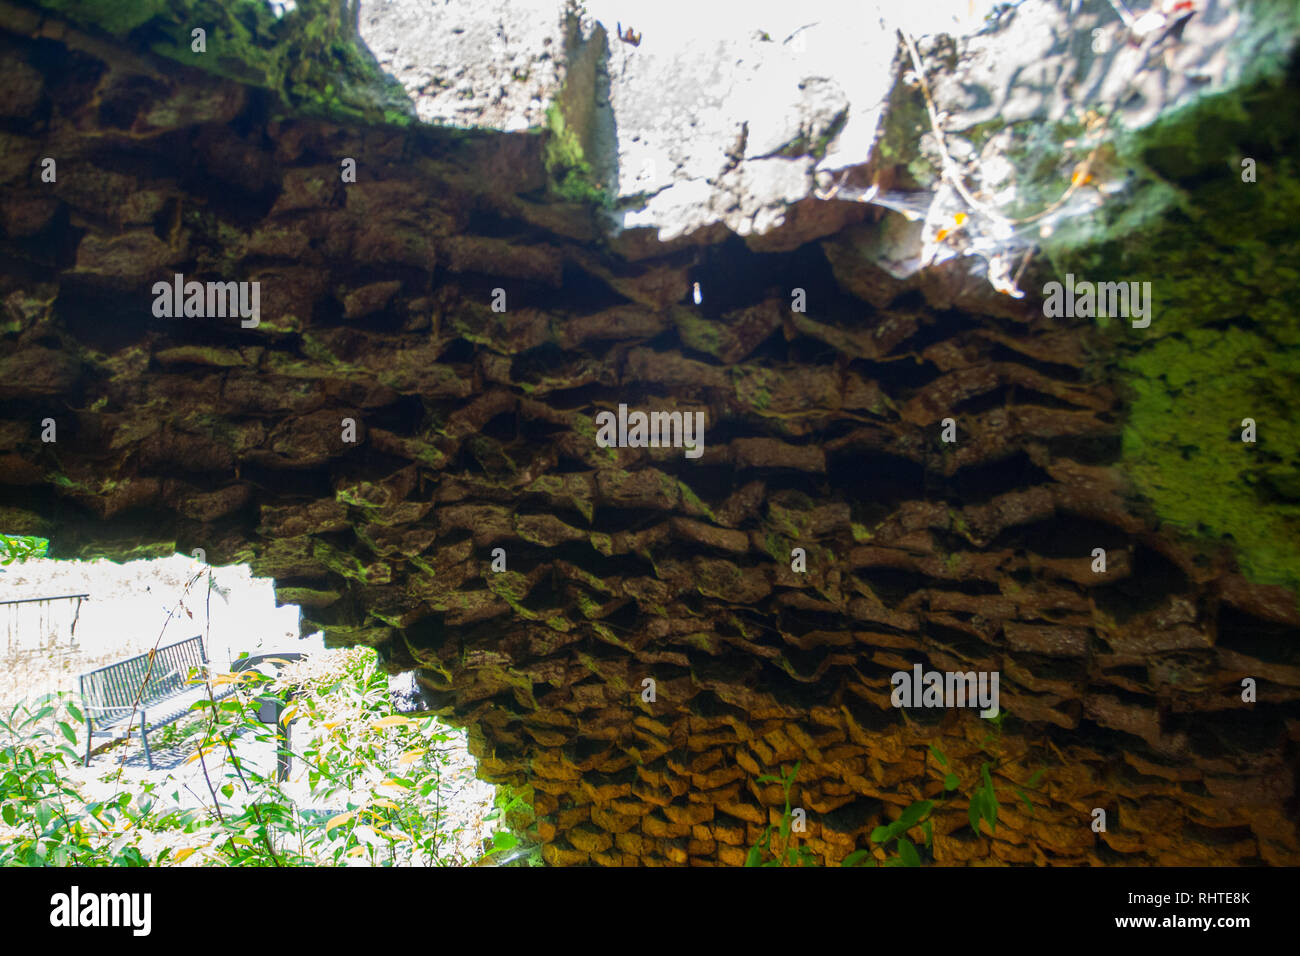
point(147, 673)
point(1123, 12)
point(1023, 263)
point(951, 172)
point(212, 701)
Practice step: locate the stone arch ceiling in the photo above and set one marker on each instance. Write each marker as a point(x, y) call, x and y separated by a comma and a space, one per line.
point(476, 431)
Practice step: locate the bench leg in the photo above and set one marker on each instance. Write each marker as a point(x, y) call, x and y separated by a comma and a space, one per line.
point(88, 738)
point(144, 735)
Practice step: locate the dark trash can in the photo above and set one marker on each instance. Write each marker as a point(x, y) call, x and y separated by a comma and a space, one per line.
point(270, 707)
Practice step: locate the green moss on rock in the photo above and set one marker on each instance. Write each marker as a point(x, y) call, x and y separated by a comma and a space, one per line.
point(566, 162)
point(1223, 258)
point(310, 57)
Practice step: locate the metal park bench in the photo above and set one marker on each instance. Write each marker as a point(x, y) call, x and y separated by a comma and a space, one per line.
point(111, 694)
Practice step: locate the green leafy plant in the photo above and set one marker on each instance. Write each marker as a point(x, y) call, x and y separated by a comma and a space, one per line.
point(892, 838)
point(22, 547)
point(507, 846)
point(381, 775)
point(787, 854)
point(44, 818)
point(983, 806)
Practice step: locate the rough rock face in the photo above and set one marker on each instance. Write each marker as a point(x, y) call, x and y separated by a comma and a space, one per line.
point(382, 430)
point(699, 120)
point(495, 64)
point(692, 121)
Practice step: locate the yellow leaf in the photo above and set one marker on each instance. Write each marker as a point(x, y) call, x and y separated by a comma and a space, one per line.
point(385, 803)
point(411, 756)
point(394, 721)
point(338, 821)
point(183, 855)
point(332, 724)
point(959, 218)
point(941, 235)
point(357, 851)
point(201, 752)
point(288, 714)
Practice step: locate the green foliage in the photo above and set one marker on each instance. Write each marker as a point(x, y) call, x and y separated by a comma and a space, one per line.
point(507, 847)
point(44, 821)
point(382, 775)
point(893, 838)
point(21, 547)
point(787, 854)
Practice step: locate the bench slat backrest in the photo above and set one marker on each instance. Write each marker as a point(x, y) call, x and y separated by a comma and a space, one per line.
point(118, 685)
